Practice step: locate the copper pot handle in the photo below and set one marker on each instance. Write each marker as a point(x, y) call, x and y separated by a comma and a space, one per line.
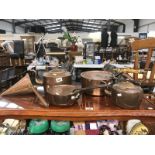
point(107, 92)
point(39, 82)
point(75, 91)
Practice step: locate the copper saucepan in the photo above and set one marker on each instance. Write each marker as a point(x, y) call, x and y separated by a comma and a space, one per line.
point(54, 77)
point(66, 95)
point(93, 78)
point(126, 95)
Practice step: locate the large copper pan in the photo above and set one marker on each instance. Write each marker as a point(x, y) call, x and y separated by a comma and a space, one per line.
point(93, 78)
point(67, 95)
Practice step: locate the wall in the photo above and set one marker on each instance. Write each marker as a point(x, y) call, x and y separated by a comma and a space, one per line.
point(146, 25)
point(10, 36)
point(95, 36)
point(129, 25)
point(8, 27)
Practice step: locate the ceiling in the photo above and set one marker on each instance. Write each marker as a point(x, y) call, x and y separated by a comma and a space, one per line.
point(54, 25)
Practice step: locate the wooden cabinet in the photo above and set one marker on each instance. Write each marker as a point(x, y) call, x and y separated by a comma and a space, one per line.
point(28, 43)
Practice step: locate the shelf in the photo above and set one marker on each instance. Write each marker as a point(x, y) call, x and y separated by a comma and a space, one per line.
point(55, 53)
point(101, 108)
point(102, 65)
point(88, 65)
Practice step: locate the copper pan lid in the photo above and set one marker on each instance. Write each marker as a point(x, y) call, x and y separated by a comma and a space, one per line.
point(57, 73)
point(97, 75)
point(125, 86)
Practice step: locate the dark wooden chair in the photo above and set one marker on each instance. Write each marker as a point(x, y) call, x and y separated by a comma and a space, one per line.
point(147, 78)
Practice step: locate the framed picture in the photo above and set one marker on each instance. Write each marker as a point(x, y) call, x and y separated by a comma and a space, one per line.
point(142, 35)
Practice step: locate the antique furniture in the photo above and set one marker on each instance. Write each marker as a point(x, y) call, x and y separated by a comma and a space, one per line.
point(88, 108)
point(148, 77)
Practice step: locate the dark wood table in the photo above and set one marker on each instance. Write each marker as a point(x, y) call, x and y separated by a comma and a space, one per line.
point(87, 108)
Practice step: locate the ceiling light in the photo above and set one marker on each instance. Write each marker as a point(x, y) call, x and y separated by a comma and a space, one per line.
point(91, 22)
point(93, 26)
point(55, 28)
point(52, 26)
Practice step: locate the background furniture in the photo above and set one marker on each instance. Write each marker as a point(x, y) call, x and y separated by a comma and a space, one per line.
point(28, 43)
point(147, 79)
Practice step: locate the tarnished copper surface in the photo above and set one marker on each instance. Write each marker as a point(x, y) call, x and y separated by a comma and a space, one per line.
point(125, 86)
point(127, 95)
point(93, 78)
point(61, 95)
point(55, 77)
point(57, 73)
point(62, 90)
point(97, 75)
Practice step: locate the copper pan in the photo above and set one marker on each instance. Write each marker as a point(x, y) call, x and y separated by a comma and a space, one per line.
point(67, 95)
point(53, 77)
point(93, 78)
point(56, 77)
point(126, 95)
point(61, 95)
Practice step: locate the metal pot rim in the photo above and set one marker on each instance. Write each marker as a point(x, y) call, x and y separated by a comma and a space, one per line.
point(56, 74)
point(88, 75)
point(52, 90)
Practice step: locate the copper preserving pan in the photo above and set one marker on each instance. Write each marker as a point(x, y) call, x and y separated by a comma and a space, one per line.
point(93, 78)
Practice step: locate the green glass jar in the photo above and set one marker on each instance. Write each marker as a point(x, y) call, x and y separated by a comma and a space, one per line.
point(60, 126)
point(38, 126)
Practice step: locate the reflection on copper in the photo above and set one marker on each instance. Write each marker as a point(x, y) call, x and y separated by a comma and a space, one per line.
point(97, 75)
point(93, 78)
point(86, 104)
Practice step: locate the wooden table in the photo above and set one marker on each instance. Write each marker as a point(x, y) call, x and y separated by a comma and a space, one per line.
point(87, 108)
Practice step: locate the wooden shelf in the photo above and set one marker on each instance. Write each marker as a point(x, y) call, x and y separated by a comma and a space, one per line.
point(24, 107)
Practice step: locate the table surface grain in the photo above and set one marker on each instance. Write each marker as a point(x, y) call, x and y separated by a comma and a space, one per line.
point(86, 108)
